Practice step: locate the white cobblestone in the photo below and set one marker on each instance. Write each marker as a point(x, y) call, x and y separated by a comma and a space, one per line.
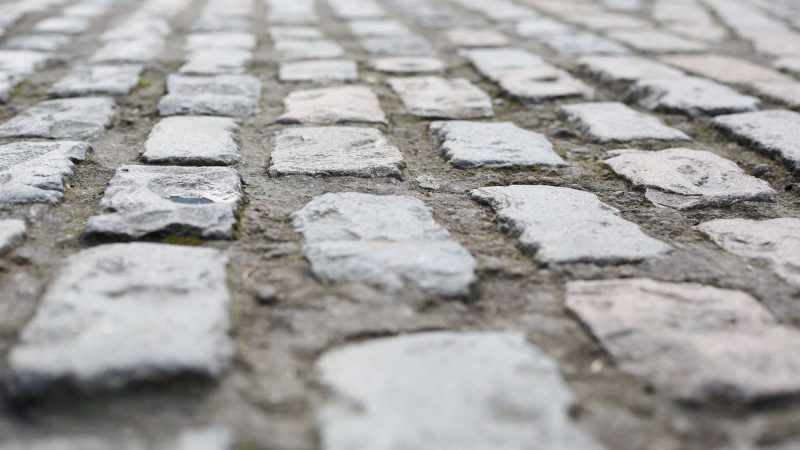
point(146, 200)
point(192, 141)
point(220, 40)
point(684, 178)
point(333, 105)
point(467, 144)
point(388, 241)
point(123, 313)
point(334, 151)
point(501, 393)
point(561, 225)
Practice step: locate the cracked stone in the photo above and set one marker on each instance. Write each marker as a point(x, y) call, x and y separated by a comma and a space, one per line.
point(691, 96)
point(626, 69)
point(34, 172)
point(407, 65)
point(514, 395)
point(193, 141)
point(73, 118)
point(436, 97)
point(698, 343)
point(221, 95)
point(384, 240)
point(98, 79)
point(334, 151)
point(775, 132)
point(145, 200)
point(607, 122)
point(468, 144)
point(125, 313)
point(773, 240)
point(318, 71)
point(339, 104)
point(561, 225)
point(683, 178)
point(12, 233)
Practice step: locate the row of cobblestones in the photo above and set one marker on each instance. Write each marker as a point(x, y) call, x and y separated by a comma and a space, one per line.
point(375, 224)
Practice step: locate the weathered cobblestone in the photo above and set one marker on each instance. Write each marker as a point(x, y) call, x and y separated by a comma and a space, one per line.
point(35, 171)
point(385, 241)
point(124, 313)
point(615, 122)
point(75, 118)
point(319, 71)
point(221, 95)
point(774, 132)
point(517, 395)
point(192, 141)
point(98, 79)
point(332, 105)
point(441, 98)
point(690, 95)
point(12, 233)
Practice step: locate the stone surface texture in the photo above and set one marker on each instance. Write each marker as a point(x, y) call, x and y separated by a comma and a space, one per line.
point(606, 122)
point(75, 118)
point(436, 97)
point(12, 233)
point(35, 172)
point(192, 141)
point(332, 105)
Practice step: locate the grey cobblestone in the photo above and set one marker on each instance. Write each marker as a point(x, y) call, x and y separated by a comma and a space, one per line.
point(35, 171)
point(75, 118)
point(615, 122)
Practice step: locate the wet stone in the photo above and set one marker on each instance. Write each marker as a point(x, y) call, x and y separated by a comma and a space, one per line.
point(775, 132)
point(611, 69)
point(387, 241)
point(691, 96)
point(655, 41)
point(437, 97)
point(407, 65)
point(298, 49)
point(145, 200)
point(466, 144)
point(514, 395)
point(98, 79)
point(334, 151)
point(221, 40)
point(74, 118)
point(773, 240)
point(12, 233)
point(683, 178)
point(193, 141)
point(561, 225)
point(318, 71)
point(221, 95)
point(697, 343)
point(607, 122)
point(217, 61)
point(125, 313)
point(35, 172)
point(468, 37)
point(332, 105)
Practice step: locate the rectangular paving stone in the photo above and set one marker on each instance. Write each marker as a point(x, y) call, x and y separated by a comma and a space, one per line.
point(655, 41)
point(22, 62)
point(407, 65)
point(607, 122)
point(726, 69)
point(220, 40)
point(118, 79)
point(389, 241)
point(12, 233)
point(787, 93)
point(625, 69)
point(318, 71)
point(294, 32)
point(298, 49)
point(200, 438)
point(356, 9)
point(683, 178)
point(436, 97)
point(220, 95)
point(341, 104)
point(140, 50)
point(143, 201)
point(774, 240)
point(334, 151)
point(35, 172)
point(790, 65)
point(697, 343)
point(44, 42)
point(561, 225)
point(582, 43)
point(137, 27)
point(531, 89)
point(377, 27)
point(63, 25)
point(399, 45)
point(469, 37)
point(217, 61)
point(691, 96)
point(73, 118)
point(494, 63)
point(466, 144)
point(200, 141)
point(774, 132)
point(125, 313)
point(513, 398)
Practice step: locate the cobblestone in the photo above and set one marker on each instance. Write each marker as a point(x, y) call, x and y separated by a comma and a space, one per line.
point(332, 105)
point(35, 171)
point(192, 141)
point(12, 233)
point(319, 71)
point(690, 95)
point(615, 122)
point(98, 79)
point(774, 132)
point(76, 118)
point(435, 97)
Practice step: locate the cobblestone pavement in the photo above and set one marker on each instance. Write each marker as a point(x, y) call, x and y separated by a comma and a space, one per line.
point(400, 224)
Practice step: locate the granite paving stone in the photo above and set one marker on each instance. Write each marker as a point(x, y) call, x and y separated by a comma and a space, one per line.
point(607, 122)
point(436, 97)
point(35, 172)
point(332, 105)
point(193, 141)
point(73, 118)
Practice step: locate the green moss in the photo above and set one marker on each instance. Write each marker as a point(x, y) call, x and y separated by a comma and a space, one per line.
point(182, 240)
point(144, 82)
